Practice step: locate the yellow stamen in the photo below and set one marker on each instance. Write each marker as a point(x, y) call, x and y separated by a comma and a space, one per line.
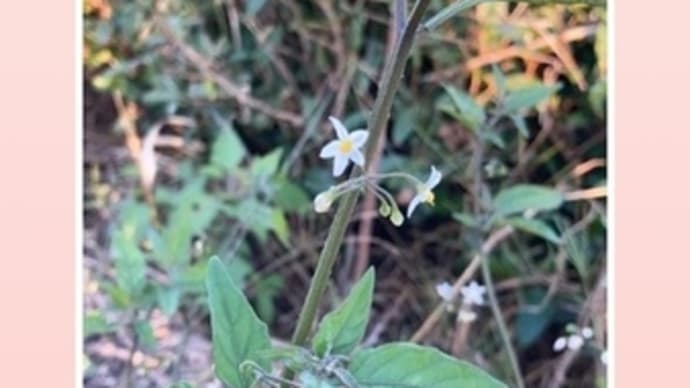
point(429, 197)
point(345, 146)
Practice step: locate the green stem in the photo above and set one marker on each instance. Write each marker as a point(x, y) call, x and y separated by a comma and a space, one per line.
point(502, 328)
point(392, 74)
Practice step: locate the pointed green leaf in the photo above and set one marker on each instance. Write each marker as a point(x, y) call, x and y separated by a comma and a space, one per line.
point(499, 78)
point(520, 124)
point(522, 197)
point(238, 334)
point(448, 12)
point(537, 227)
point(228, 150)
point(402, 364)
point(471, 113)
point(130, 262)
point(267, 165)
point(342, 329)
point(466, 219)
point(527, 98)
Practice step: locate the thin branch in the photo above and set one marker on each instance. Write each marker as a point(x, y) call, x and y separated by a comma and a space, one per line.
point(241, 95)
point(502, 328)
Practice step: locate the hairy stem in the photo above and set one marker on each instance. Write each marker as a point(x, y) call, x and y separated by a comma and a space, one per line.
point(392, 74)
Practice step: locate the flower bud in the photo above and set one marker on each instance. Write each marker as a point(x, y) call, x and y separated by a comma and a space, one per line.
point(397, 217)
point(323, 201)
point(385, 209)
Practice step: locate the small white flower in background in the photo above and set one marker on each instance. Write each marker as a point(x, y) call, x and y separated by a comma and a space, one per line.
point(445, 291)
point(424, 191)
point(604, 357)
point(473, 294)
point(587, 332)
point(346, 148)
point(466, 315)
point(323, 201)
point(560, 344)
point(575, 342)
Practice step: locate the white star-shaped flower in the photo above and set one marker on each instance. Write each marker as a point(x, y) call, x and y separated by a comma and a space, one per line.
point(445, 291)
point(473, 294)
point(345, 148)
point(424, 191)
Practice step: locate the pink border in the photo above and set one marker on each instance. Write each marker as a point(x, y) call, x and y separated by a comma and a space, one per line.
point(652, 194)
point(37, 281)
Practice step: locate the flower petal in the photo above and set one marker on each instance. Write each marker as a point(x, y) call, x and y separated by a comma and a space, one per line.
point(357, 157)
point(413, 204)
point(575, 342)
point(339, 164)
point(445, 291)
point(359, 137)
point(560, 344)
point(466, 315)
point(434, 178)
point(340, 129)
point(587, 332)
point(329, 150)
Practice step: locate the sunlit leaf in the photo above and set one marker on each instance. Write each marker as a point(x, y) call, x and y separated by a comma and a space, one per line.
point(408, 365)
point(237, 333)
point(228, 149)
point(342, 329)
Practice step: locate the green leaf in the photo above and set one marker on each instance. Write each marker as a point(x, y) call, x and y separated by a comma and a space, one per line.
point(499, 78)
point(342, 329)
point(403, 364)
point(471, 113)
point(254, 6)
point(448, 12)
point(130, 263)
point(309, 380)
point(95, 323)
point(238, 334)
point(144, 333)
point(466, 219)
point(266, 165)
point(537, 227)
point(519, 198)
point(528, 97)
point(531, 324)
point(291, 198)
point(228, 150)
point(168, 299)
point(253, 214)
point(280, 226)
point(520, 124)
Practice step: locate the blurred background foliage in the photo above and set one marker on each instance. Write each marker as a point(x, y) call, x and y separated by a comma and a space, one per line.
point(203, 122)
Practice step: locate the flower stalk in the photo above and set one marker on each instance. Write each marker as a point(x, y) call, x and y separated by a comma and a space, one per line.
point(392, 74)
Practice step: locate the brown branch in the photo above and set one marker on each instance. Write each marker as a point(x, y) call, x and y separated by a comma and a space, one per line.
point(240, 94)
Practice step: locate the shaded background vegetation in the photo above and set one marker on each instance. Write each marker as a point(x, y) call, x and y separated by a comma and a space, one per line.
point(203, 122)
